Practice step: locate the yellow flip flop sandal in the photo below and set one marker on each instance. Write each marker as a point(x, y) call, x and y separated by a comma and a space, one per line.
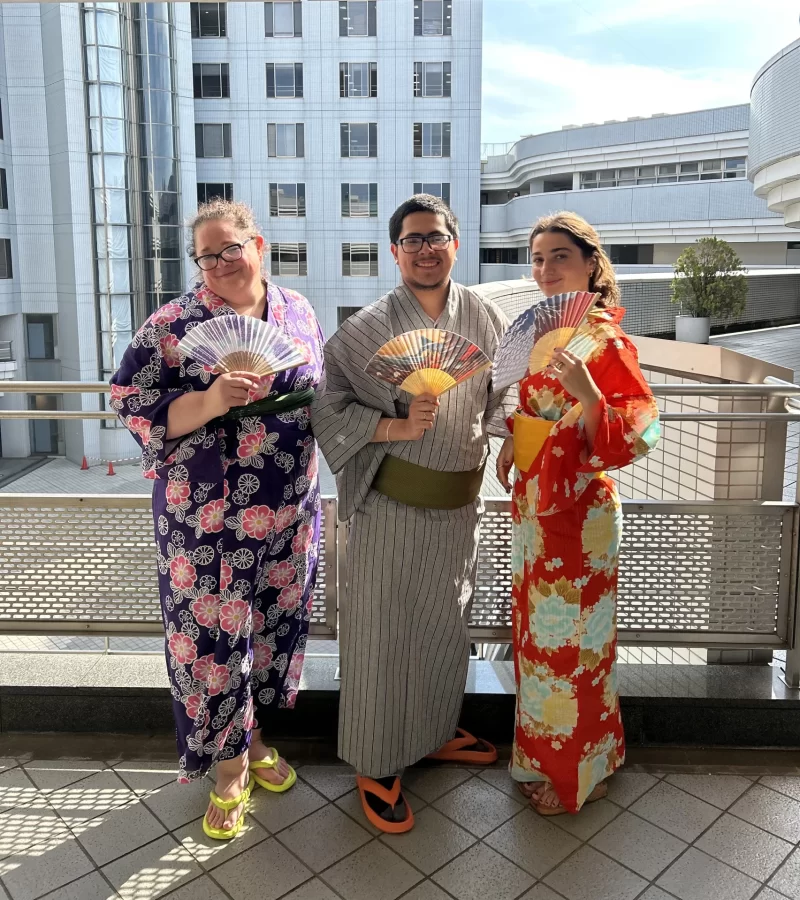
point(223, 834)
point(272, 763)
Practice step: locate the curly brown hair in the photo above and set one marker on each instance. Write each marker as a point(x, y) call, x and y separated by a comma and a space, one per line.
point(237, 213)
point(603, 280)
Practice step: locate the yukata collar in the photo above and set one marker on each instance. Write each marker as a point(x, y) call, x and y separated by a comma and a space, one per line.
point(412, 305)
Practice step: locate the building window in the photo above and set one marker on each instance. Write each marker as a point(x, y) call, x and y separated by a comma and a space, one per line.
point(212, 141)
point(283, 20)
point(433, 17)
point(286, 141)
point(211, 81)
point(666, 173)
point(432, 79)
point(3, 190)
point(289, 259)
point(432, 139)
point(359, 200)
point(2, 136)
point(344, 312)
point(359, 139)
point(40, 333)
point(358, 79)
point(210, 190)
point(358, 18)
point(287, 199)
point(508, 256)
point(630, 254)
point(436, 188)
point(284, 80)
point(5, 259)
point(360, 260)
point(736, 168)
point(208, 20)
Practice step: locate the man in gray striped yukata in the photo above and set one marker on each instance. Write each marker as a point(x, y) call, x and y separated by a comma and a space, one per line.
point(404, 640)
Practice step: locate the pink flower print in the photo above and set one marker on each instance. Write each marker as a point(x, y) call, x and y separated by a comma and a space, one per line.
point(295, 668)
point(217, 679)
point(248, 719)
point(120, 391)
point(250, 444)
point(169, 350)
point(262, 388)
point(285, 517)
point(207, 297)
point(205, 610)
point(194, 704)
point(282, 574)
point(302, 540)
point(258, 621)
point(262, 657)
point(289, 597)
point(258, 522)
point(222, 737)
point(309, 604)
point(177, 492)
point(141, 426)
point(233, 615)
point(226, 488)
point(302, 346)
point(182, 649)
point(225, 576)
point(166, 314)
point(202, 666)
point(313, 465)
point(212, 516)
point(182, 573)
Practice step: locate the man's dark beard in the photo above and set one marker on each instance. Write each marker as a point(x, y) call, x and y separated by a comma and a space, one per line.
point(417, 286)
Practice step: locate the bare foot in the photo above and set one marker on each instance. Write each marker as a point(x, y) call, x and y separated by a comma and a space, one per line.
point(531, 789)
point(547, 797)
point(227, 787)
point(259, 750)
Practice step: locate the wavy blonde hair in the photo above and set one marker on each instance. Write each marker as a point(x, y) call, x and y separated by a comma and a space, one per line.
point(603, 280)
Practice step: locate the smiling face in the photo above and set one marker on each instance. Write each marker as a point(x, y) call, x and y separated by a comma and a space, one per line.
point(428, 269)
point(229, 279)
point(558, 264)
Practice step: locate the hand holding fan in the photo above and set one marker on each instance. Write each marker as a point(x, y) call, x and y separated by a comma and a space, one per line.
point(242, 344)
point(427, 361)
point(531, 338)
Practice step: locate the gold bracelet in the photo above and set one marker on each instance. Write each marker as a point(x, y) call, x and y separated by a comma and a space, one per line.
point(388, 426)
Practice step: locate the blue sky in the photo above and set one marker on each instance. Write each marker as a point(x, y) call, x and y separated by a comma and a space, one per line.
point(548, 63)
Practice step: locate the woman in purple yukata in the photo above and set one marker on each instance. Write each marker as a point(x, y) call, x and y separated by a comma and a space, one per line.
point(236, 509)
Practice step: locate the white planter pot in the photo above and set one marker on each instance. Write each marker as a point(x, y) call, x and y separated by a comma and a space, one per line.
point(692, 330)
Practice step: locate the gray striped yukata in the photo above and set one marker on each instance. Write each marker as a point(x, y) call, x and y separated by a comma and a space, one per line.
point(404, 641)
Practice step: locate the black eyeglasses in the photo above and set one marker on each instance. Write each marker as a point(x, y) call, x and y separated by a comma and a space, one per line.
point(413, 243)
point(229, 254)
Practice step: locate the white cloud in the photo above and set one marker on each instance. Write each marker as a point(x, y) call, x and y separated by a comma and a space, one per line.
point(530, 89)
point(596, 15)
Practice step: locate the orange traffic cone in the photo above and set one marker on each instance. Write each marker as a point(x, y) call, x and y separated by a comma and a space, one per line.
point(111, 469)
point(84, 465)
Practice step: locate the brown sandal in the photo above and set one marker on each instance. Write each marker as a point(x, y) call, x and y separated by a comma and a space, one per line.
point(600, 791)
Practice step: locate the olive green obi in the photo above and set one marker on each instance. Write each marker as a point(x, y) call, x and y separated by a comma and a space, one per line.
point(270, 406)
point(426, 488)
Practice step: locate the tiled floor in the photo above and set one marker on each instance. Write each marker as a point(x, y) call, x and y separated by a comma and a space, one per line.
point(83, 830)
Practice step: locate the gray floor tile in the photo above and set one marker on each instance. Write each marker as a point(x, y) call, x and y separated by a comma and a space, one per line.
point(90, 797)
point(785, 784)
point(697, 876)
point(638, 845)
point(118, 833)
point(718, 790)
point(90, 887)
point(433, 782)
point(44, 867)
point(433, 841)
point(745, 847)
point(588, 875)
point(331, 781)
point(675, 811)
point(278, 811)
point(541, 892)
point(426, 891)
point(199, 889)
point(787, 879)
point(17, 791)
point(211, 853)
point(142, 777)
point(176, 804)
point(241, 873)
point(771, 811)
point(591, 818)
point(769, 894)
point(500, 779)
point(324, 837)
point(477, 806)
point(626, 787)
point(373, 871)
point(312, 890)
point(152, 870)
point(655, 893)
point(532, 842)
point(52, 774)
point(480, 873)
point(21, 828)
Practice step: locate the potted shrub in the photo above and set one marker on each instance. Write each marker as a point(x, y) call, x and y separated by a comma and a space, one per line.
point(709, 283)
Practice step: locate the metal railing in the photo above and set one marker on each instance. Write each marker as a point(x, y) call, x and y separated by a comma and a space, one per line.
point(712, 573)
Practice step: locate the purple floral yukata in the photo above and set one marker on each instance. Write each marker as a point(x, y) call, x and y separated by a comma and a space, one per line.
point(236, 508)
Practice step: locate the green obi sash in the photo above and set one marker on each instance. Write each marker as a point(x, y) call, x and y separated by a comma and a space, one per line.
point(426, 488)
point(270, 406)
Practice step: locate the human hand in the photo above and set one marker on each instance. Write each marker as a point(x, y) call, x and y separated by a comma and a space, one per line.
point(575, 378)
point(505, 460)
point(421, 417)
point(230, 389)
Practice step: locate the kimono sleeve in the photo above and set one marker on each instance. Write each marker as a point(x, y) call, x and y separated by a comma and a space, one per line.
point(501, 404)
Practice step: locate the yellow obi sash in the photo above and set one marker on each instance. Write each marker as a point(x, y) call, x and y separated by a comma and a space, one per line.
point(530, 435)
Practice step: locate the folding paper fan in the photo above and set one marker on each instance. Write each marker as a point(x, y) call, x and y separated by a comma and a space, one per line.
point(427, 361)
point(241, 344)
point(529, 343)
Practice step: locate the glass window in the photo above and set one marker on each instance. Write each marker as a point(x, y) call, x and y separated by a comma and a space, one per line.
point(433, 17)
point(112, 100)
point(287, 199)
point(108, 28)
point(289, 259)
point(111, 206)
point(358, 80)
point(358, 144)
point(432, 79)
point(435, 188)
point(360, 200)
point(433, 140)
point(211, 80)
point(736, 167)
point(212, 141)
point(287, 140)
point(158, 140)
point(3, 190)
point(110, 64)
point(357, 18)
point(360, 260)
point(208, 190)
point(159, 74)
point(283, 19)
point(41, 337)
point(208, 20)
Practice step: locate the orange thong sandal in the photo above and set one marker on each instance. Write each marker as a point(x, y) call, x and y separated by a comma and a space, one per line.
point(367, 787)
point(598, 793)
point(456, 751)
